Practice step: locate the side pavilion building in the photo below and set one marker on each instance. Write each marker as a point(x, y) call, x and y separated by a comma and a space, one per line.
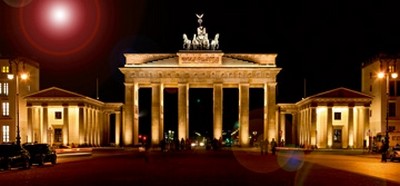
point(338, 118)
point(60, 117)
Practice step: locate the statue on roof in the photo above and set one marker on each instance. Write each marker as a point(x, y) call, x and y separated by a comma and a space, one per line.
point(200, 40)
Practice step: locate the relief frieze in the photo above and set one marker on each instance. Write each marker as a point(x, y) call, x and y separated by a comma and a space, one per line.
point(205, 74)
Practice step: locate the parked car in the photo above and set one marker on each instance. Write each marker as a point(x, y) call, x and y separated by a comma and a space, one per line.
point(12, 155)
point(41, 153)
point(394, 153)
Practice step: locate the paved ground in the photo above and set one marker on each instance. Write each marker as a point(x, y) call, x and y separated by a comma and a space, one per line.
point(235, 166)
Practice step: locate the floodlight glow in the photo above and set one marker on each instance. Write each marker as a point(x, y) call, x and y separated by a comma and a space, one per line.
point(381, 74)
point(24, 76)
point(60, 15)
point(394, 75)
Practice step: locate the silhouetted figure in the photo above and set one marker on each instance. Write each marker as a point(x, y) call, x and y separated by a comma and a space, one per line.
point(273, 146)
point(383, 151)
point(162, 145)
point(182, 144)
point(188, 144)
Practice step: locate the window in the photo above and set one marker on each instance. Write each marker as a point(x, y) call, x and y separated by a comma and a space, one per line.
point(5, 108)
point(337, 135)
point(58, 115)
point(6, 133)
point(5, 89)
point(391, 128)
point(392, 88)
point(338, 116)
point(58, 135)
point(392, 109)
point(5, 69)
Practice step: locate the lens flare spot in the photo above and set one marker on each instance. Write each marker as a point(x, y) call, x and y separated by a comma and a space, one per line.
point(290, 160)
point(59, 15)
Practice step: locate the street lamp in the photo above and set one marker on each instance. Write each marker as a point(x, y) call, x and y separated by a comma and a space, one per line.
point(17, 75)
point(390, 72)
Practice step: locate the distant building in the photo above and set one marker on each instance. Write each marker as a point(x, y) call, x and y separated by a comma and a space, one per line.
point(381, 103)
point(14, 66)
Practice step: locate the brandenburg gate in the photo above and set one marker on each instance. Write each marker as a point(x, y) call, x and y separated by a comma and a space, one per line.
point(199, 65)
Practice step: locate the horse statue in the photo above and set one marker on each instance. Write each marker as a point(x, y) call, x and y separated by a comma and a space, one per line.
point(215, 42)
point(205, 42)
point(186, 42)
point(195, 42)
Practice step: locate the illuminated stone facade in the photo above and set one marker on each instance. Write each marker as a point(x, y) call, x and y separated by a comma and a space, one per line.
point(338, 118)
point(198, 69)
point(60, 117)
point(8, 127)
point(375, 86)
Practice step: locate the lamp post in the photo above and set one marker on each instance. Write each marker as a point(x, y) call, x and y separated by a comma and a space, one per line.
point(11, 76)
point(390, 72)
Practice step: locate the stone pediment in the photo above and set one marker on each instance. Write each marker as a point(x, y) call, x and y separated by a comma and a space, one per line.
point(341, 93)
point(265, 59)
point(55, 92)
point(136, 59)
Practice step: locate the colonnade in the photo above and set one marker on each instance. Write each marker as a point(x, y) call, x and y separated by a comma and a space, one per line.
point(131, 126)
point(335, 124)
point(198, 69)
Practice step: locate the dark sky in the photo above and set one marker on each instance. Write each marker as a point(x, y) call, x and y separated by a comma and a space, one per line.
point(324, 42)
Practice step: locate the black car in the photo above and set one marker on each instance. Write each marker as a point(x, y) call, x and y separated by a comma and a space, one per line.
point(41, 153)
point(394, 153)
point(12, 155)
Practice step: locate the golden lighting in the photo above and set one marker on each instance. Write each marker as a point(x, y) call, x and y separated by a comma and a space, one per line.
point(24, 76)
point(10, 76)
point(394, 75)
point(381, 75)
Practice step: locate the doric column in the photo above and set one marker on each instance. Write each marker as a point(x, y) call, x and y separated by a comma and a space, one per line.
point(366, 123)
point(117, 128)
point(183, 97)
point(98, 127)
point(155, 113)
point(329, 136)
point(45, 124)
point(314, 132)
point(30, 121)
point(244, 94)
point(81, 124)
point(350, 136)
point(135, 115)
point(161, 128)
point(218, 110)
point(65, 128)
point(270, 125)
point(87, 124)
point(128, 114)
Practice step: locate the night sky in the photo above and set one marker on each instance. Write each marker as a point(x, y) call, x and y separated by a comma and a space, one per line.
point(322, 43)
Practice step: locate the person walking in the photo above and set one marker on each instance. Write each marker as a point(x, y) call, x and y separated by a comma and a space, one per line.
point(273, 146)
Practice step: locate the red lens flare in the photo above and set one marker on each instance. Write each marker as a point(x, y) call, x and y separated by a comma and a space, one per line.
point(60, 27)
